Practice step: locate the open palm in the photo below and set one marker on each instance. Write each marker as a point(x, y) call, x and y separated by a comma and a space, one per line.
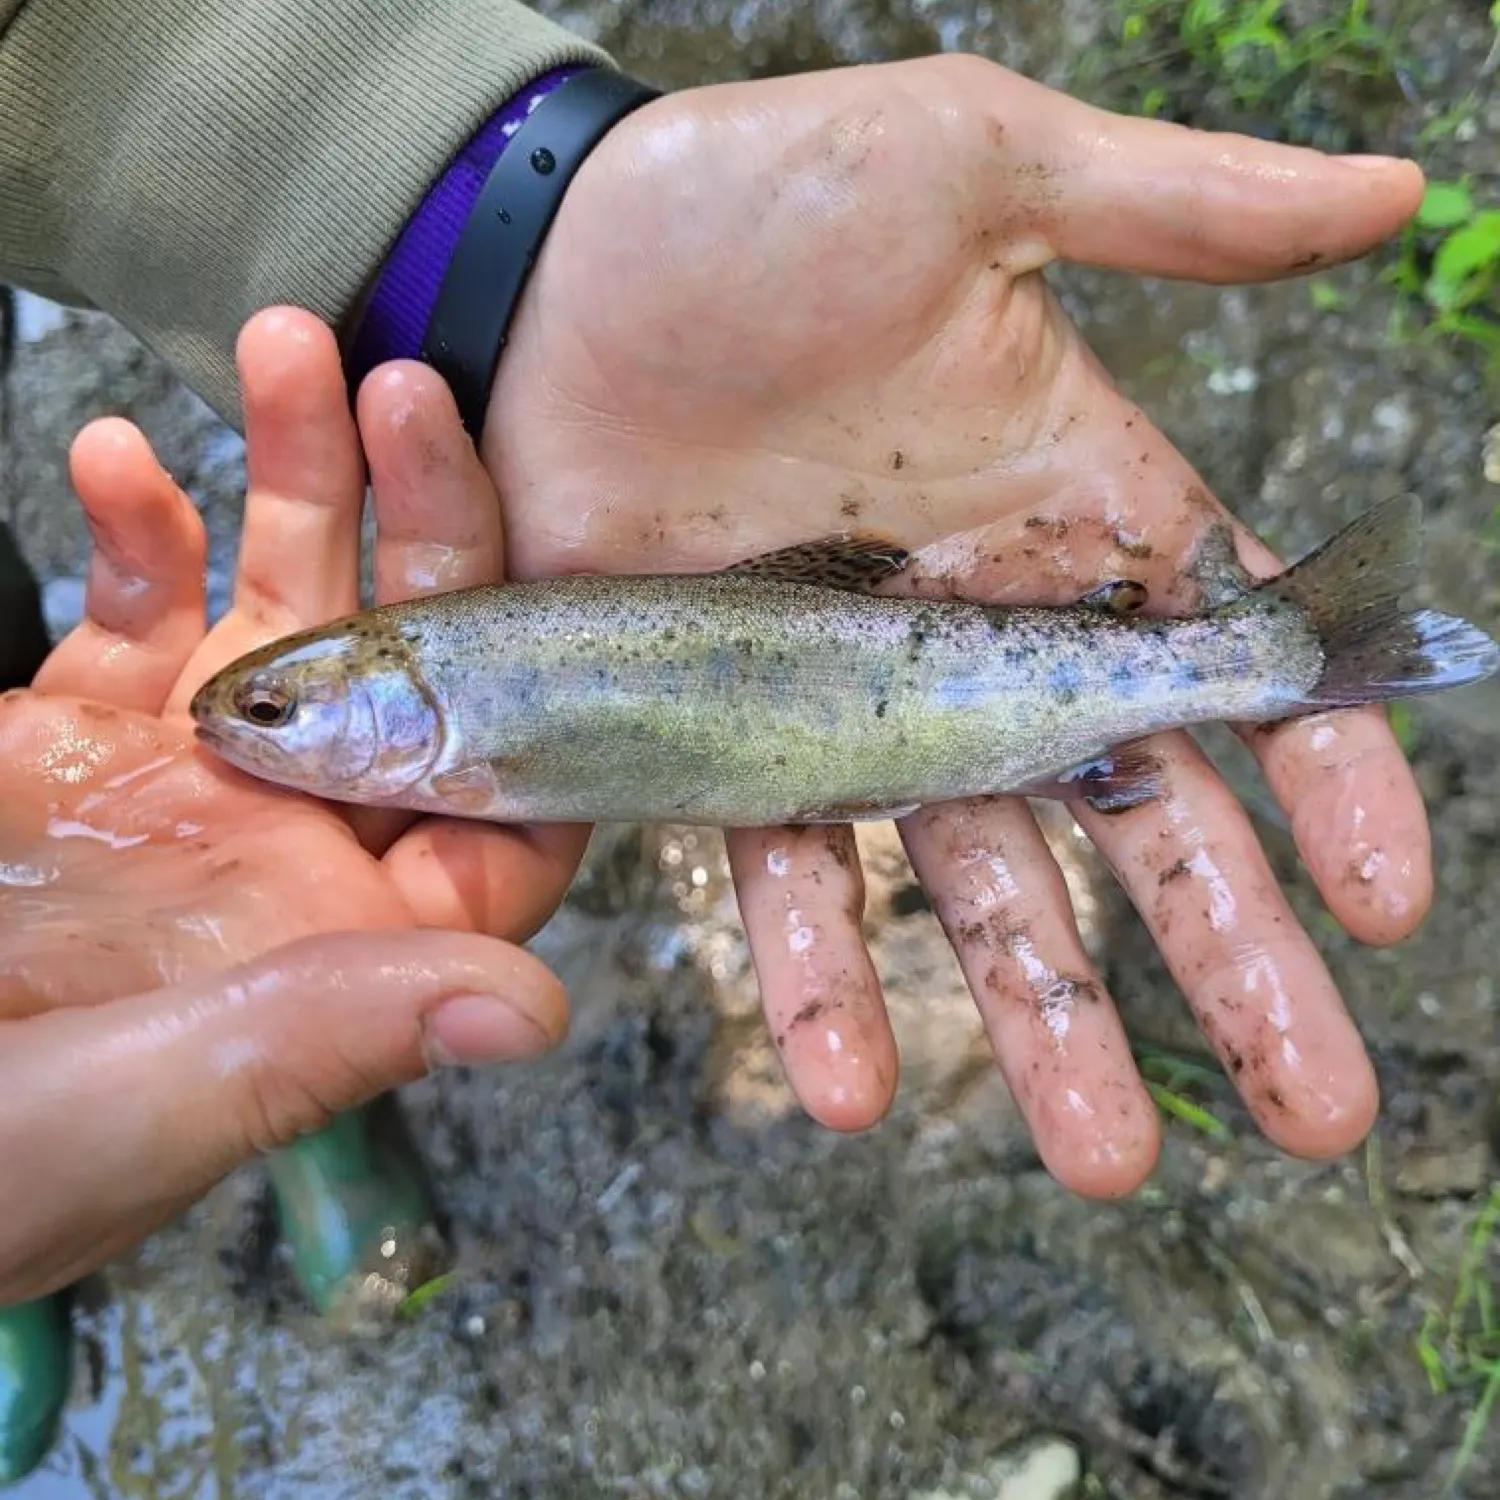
point(147, 865)
point(195, 966)
point(772, 311)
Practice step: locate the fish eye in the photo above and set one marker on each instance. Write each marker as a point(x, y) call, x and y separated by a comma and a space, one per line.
point(265, 706)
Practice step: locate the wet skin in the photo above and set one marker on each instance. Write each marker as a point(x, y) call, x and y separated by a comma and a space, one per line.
point(195, 968)
point(805, 360)
point(838, 366)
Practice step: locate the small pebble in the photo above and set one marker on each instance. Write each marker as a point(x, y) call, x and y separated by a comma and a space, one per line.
point(1491, 455)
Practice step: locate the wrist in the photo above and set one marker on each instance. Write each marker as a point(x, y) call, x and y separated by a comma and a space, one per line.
point(399, 304)
point(507, 227)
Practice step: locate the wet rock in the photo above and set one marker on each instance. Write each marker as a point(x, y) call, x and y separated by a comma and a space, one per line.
point(1491, 455)
point(1039, 1468)
point(1463, 1172)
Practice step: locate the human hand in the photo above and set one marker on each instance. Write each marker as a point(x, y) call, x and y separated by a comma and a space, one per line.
point(195, 967)
point(771, 311)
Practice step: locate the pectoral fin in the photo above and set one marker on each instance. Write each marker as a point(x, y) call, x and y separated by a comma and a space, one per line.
point(1115, 782)
point(1120, 596)
point(855, 564)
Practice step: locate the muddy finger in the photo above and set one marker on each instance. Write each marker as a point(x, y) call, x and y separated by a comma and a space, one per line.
point(1005, 907)
point(1135, 509)
point(801, 894)
point(1191, 864)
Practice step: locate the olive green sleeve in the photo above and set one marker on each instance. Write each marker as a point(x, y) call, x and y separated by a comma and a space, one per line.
point(182, 163)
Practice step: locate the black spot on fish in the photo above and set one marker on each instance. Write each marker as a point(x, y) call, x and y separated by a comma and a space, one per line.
point(525, 687)
point(722, 667)
point(881, 707)
point(1187, 673)
point(1125, 681)
point(1065, 679)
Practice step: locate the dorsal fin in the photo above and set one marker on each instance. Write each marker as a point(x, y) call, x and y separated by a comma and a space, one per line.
point(856, 564)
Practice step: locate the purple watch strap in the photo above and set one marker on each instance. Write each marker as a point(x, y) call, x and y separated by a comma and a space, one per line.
point(406, 289)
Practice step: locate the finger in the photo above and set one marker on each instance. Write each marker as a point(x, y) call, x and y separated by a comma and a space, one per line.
point(112, 1119)
point(144, 603)
point(1005, 907)
point(1356, 811)
point(1192, 866)
point(1357, 818)
point(1351, 796)
point(1126, 504)
point(438, 528)
point(436, 510)
point(299, 554)
point(475, 877)
point(801, 894)
point(1160, 199)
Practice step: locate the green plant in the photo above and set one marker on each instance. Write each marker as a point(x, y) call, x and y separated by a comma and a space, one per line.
point(1403, 724)
point(1168, 1075)
point(420, 1296)
point(1168, 50)
point(1459, 1344)
point(1449, 266)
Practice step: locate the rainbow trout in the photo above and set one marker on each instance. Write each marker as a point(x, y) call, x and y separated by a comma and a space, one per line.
point(785, 690)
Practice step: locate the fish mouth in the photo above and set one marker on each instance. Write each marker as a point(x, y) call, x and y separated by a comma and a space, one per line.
point(223, 745)
point(205, 735)
point(246, 752)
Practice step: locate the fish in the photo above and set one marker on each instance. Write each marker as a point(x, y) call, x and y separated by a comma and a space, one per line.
point(787, 689)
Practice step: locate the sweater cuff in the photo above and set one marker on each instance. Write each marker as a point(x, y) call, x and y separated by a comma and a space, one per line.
point(405, 289)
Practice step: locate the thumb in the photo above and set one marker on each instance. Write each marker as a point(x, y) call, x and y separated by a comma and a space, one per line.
point(1158, 199)
point(114, 1118)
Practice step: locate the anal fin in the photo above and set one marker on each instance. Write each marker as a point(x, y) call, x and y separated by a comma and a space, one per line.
point(855, 564)
point(1114, 782)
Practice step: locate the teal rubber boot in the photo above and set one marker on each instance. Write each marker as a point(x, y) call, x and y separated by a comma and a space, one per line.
point(356, 1210)
point(36, 1369)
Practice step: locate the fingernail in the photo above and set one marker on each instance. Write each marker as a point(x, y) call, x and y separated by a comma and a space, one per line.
point(477, 1029)
point(1372, 163)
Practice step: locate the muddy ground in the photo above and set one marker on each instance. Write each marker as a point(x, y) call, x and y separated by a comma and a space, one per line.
point(672, 1284)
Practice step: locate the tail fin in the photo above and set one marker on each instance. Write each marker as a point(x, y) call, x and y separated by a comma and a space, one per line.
point(1375, 646)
